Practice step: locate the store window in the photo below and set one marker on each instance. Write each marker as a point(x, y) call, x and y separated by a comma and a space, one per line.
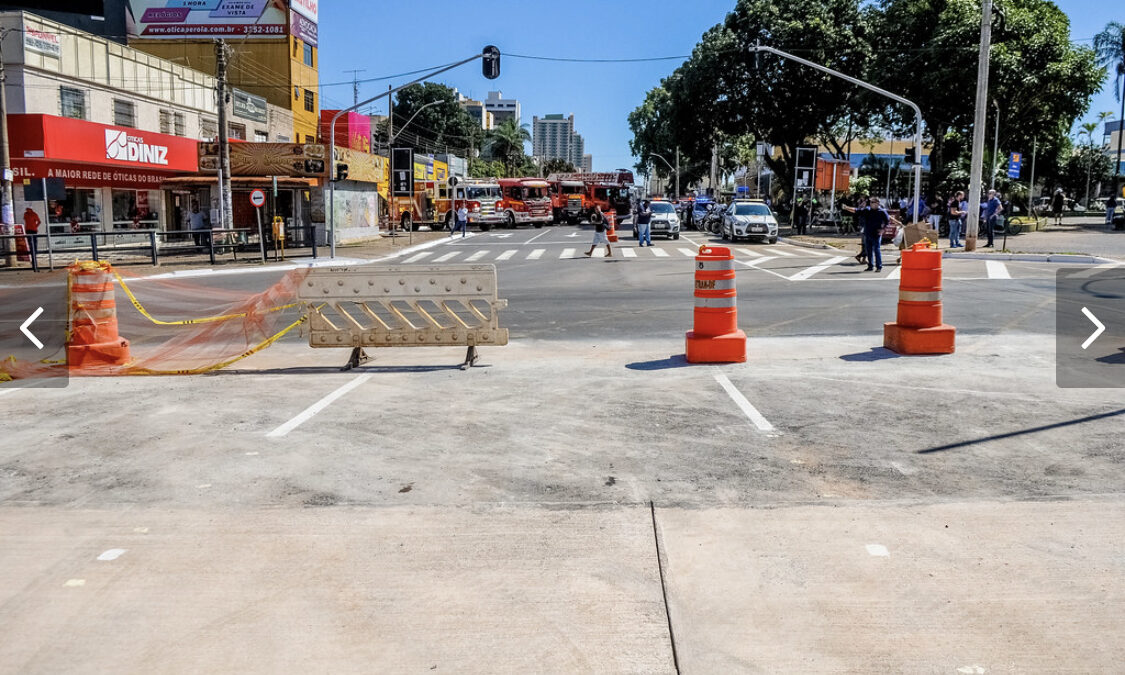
point(310, 102)
point(261, 136)
point(237, 131)
point(124, 113)
point(80, 211)
point(208, 129)
point(133, 209)
point(308, 57)
point(72, 103)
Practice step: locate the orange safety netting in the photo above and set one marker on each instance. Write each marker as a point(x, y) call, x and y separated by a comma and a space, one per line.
point(166, 326)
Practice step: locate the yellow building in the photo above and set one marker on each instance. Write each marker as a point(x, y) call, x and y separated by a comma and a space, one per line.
point(282, 68)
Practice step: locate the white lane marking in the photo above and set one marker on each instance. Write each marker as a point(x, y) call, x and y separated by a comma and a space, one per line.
point(753, 264)
point(567, 253)
point(111, 554)
point(748, 252)
point(307, 414)
point(745, 406)
point(659, 252)
point(4, 392)
point(203, 486)
point(536, 254)
point(819, 267)
point(75, 582)
point(476, 256)
point(691, 241)
point(896, 273)
point(1087, 273)
point(418, 256)
point(877, 550)
point(598, 253)
point(812, 251)
point(972, 670)
point(997, 269)
point(629, 252)
point(687, 251)
point(447, 256)
point(507, 254)
point(779, 251)
point(545, 231)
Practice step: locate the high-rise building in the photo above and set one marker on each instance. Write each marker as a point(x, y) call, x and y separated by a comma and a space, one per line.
point(273, 50)
point(553, 136)
point(477, 111)
point(588, 163)
point(501, 108)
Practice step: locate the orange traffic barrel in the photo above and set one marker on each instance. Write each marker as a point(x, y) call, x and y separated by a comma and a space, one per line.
point(92, 338)
point(611, 226)
point(919, 328)
point(715, 337)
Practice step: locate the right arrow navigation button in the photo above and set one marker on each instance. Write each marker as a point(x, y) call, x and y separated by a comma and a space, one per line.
point(1100, 328)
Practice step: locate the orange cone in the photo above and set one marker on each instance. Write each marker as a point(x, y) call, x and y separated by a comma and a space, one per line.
point(611, 226)
point(919, 328)
point(92, 338)
point(715, 337)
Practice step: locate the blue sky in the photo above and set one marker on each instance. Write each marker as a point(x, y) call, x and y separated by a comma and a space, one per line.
point(385, 38)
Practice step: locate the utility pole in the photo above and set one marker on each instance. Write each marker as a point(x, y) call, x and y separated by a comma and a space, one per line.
point(978, 126)
point(355, 84)
point(995, 147)
point(678, 193)
point(7, 212)
point(226, 210)
point(1031, 186)
point(714, 170)
point(392, 217)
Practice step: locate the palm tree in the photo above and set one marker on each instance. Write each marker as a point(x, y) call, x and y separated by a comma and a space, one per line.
point(1089, 128)
point(1109, 45)
point(506, 143)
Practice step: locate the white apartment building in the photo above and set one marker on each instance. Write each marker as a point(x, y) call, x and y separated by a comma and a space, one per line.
point(553, 136)
point(501, 108)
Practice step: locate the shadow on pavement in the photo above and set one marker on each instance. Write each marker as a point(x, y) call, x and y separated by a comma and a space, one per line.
point(876, 354)
point(1033, 430)
point(677, 361)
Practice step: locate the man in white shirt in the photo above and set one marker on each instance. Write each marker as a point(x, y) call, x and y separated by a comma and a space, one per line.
point(462, 221)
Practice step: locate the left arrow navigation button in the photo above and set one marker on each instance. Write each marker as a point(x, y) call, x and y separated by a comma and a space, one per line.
point(31, 336)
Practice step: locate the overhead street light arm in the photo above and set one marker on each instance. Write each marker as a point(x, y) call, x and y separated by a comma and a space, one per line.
point(758, 47)
point(400, 129)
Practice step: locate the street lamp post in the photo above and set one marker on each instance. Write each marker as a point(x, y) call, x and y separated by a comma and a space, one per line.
point(995, 147)
point(416, 112)
point(676, 168)
point(917, 111)
point(978, 126)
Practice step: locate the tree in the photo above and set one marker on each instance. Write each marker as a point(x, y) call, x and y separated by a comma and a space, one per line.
point(1109, 45)
point(436, 120)
point(505, 143)
point(1086, 163)
point(557, 165)
point(1041, 80)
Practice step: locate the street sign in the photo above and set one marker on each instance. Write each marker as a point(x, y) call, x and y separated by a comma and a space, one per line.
point(1014, 165)
point(258, 199)
point(402, 172)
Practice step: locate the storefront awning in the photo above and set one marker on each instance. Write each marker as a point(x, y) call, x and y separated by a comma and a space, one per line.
point(240, 182)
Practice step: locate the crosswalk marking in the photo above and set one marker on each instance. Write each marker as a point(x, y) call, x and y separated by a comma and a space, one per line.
point(476, 256)
point(687, 251)
point(598, 253)
point(755, 262)
point(506, 254)
point(896, 273)
point(447, 256)
point(1091, 271)
point(628, 253)
point(997, 269)
point(746, 251)
point(535, 255)
point(659, 252)
point(567, 253)
point(812, 251)
point(785, 253)
point(418, 256)
point(809, 271)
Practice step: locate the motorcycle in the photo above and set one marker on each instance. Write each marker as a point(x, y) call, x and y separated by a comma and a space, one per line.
point(713, 221)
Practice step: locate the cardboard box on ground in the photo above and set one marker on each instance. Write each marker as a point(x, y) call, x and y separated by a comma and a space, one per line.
point(916, 232)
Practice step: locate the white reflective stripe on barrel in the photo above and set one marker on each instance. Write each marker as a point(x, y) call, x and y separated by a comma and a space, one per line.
point(714, 284)
point(919, 296)
point(716, 303)
point(714, 265)
point(84, 313)
point(92, 296)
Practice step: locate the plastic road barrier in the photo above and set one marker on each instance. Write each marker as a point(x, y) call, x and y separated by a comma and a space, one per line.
point(715, 337)
point(92, 338)
point(919, 328)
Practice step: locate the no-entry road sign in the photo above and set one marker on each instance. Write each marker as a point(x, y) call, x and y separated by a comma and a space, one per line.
point(257, 198)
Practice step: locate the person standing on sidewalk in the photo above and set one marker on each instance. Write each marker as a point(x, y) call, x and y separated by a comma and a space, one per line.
point(599, 234)
point(644, 224)
point(1110, 209)
point(992, 210)
point(958, 209)
point(31, 228)
point(1058, 200)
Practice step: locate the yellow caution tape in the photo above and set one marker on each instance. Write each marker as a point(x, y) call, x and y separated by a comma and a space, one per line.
point(186, 322)
point(223, 364)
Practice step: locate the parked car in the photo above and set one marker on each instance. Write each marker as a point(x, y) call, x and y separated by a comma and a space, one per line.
point(749, 218)
point(664, 220)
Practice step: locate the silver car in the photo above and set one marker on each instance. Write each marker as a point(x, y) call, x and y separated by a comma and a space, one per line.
point(664, 220)
point(750, 219)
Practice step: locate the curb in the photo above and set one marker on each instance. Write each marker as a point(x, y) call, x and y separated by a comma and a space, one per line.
point(804, 244)
point(1034, 257)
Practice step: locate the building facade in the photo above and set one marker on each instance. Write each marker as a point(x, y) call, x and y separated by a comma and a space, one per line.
point(477, 111)
point(553, 137)
point(1110, 138)
point(587, 163)
point(502, 109)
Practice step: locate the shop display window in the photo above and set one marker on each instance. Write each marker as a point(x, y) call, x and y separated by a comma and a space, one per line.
point(135, 209)
point(80, 211)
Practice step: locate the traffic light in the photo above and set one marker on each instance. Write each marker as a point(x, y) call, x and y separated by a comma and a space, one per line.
point(490, 64)
point(341, 171)
point(911, 155)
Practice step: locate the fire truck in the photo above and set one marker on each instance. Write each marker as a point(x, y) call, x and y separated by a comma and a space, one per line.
point(482, 197)
point(568, 200)
point(525, 200)
point(610, 190)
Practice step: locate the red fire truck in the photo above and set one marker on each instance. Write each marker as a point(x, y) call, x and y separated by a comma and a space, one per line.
point(525, 200)
point(480, 196)
point(568, 200)
point(610, 190)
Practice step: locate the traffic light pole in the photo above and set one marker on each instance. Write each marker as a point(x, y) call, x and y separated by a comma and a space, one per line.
point(332, 144)
point(877, 90)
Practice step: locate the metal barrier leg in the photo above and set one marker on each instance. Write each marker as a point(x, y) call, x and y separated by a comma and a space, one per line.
point(152, 243)
point(94, 246)
point(471, 357)
point(313, 229)
point(358, 356)
point(211, 245)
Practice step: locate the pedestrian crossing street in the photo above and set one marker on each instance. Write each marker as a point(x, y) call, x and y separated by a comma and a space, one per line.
point(791, 263)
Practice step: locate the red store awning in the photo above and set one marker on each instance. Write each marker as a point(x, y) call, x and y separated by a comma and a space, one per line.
point(87, 154)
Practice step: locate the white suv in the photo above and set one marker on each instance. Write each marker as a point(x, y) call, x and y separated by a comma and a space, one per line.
point(664, 220)
point(749, 218)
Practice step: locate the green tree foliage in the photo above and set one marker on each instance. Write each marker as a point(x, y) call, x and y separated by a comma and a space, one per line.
point(1110, 48)
point(1073, 172)
point(557, 165)
point(444, 124)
